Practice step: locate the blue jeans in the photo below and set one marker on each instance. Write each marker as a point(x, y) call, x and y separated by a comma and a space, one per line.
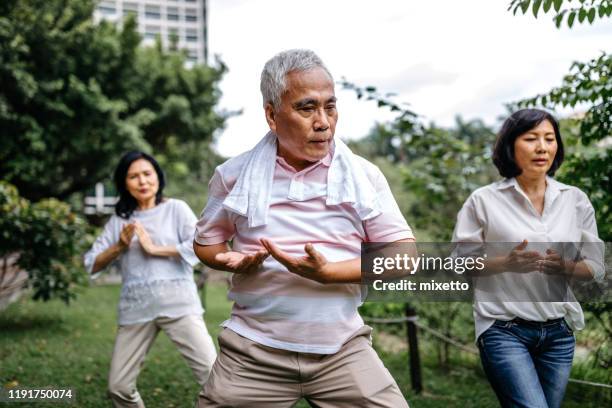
point(528, 363)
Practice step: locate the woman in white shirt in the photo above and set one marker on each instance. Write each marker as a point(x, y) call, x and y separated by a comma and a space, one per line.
point(151, 239)
point(525, 338)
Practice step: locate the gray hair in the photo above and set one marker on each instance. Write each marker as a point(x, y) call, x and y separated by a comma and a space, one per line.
point(274, 74)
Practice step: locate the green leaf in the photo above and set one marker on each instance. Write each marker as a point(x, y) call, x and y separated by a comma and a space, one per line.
point(536, 7)
point(558, 4)
point(559, 19)
point(591, 15)
point(547, 4)
point(571, 18)
point(602, 10)
point(582, 15)
point(525, 6)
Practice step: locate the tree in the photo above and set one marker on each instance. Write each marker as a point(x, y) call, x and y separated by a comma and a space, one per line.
point(440, 167)
point(75, 94)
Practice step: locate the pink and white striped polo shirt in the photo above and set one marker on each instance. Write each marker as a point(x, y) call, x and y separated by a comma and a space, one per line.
point(273, 306)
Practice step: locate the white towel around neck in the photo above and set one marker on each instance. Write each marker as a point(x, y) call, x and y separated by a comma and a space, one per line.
point(347, 182)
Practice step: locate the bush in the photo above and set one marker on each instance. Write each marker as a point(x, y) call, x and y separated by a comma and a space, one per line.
point(12, 226)
point(48, 239)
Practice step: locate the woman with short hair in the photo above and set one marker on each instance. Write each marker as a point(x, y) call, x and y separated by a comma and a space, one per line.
point(525, 334)
point(150, 238)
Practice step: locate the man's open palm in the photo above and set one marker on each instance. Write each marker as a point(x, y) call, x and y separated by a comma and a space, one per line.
point(239, 262)
point(311, 266)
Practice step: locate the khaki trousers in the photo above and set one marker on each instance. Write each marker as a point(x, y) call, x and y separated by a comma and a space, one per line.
point(248, 374)
point(133, 342)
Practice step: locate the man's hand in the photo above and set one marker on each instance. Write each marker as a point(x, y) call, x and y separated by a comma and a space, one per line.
point(238, 262)
point(312, 266)
point(520, 260)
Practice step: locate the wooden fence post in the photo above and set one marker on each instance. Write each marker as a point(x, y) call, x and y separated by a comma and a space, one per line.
point(413, 350)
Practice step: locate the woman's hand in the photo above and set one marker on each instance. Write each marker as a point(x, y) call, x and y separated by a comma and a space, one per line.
point(554, 264)
point(115, 250)
point(520, 260)
point(127, 233)
point(149, 247)
point(145, 240)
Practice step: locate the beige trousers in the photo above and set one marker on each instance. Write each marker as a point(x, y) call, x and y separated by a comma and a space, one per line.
point(248, 374)
point(133, 342)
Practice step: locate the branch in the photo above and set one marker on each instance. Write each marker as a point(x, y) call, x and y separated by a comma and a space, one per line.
point(586, 10)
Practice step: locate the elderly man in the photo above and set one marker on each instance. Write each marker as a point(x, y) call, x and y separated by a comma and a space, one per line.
point(296, 209)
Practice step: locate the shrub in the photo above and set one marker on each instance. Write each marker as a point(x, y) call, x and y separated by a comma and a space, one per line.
point(48, 239)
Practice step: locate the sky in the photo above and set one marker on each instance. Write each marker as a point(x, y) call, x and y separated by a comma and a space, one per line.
point(443, 57)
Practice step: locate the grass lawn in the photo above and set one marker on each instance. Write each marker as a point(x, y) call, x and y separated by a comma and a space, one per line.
point(49, 344)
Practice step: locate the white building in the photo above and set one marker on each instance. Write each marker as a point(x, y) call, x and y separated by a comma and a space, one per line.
point(183, 21)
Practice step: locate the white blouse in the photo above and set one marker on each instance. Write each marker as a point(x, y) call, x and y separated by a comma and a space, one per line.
point(502, 212)
point(154, 286)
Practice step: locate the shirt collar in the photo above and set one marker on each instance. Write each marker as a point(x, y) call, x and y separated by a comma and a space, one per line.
point(551, 184)
point(555, 185)
point(553, 189)
point(506, 183)
point(325, 161)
